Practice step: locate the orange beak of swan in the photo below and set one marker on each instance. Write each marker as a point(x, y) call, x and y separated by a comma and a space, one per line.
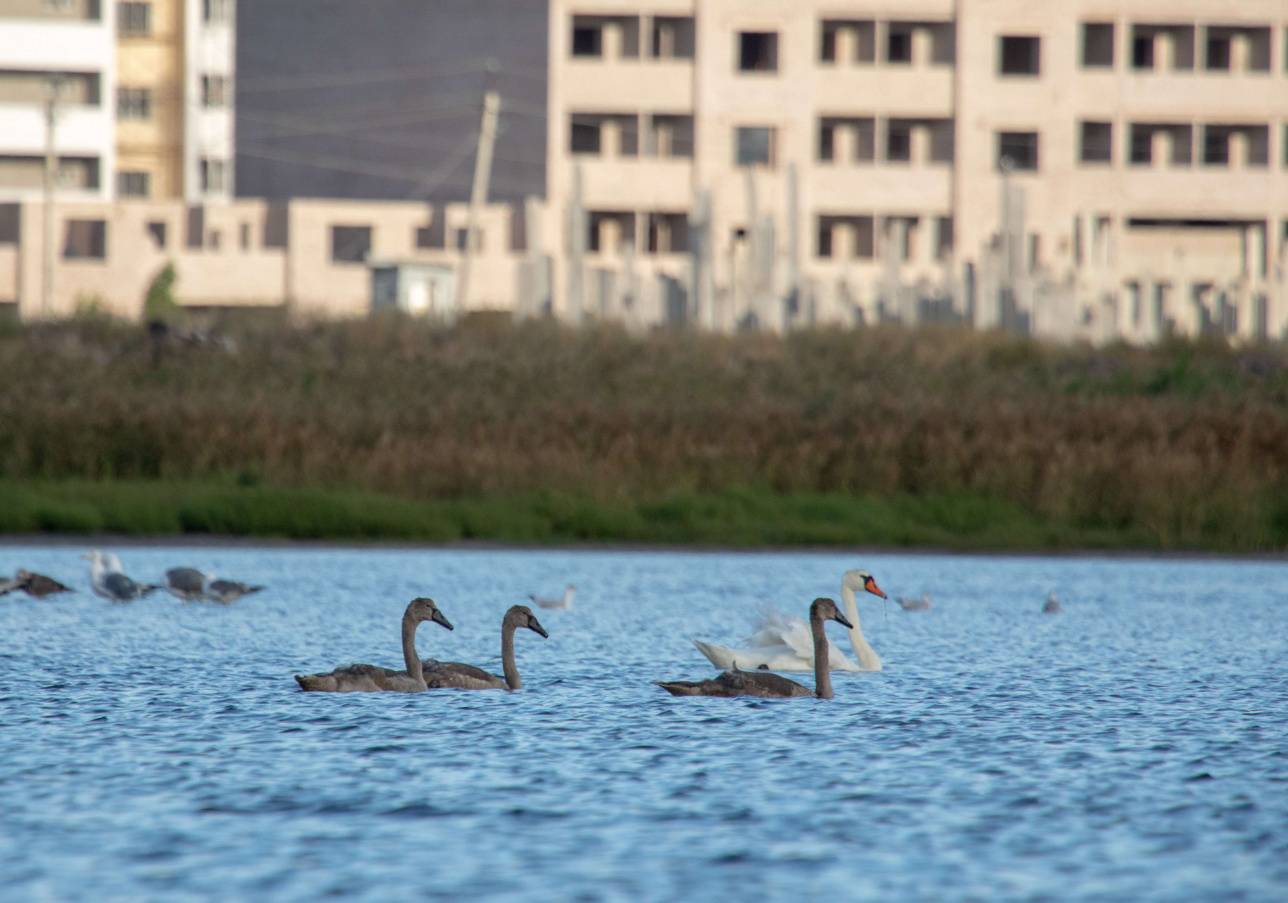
point(871, 586)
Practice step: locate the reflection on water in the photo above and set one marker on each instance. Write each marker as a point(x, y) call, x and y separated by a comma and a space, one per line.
point(1135, 746)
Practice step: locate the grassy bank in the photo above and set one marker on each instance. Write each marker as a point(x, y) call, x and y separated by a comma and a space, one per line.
point(733, 517)
point(534, 433)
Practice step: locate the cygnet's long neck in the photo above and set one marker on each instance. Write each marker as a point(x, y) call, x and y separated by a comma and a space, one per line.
point(410, 658)
point(822, 669)
point(507, 657)
point(868, 658)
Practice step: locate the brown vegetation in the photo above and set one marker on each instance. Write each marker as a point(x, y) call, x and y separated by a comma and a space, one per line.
point(1180, 446)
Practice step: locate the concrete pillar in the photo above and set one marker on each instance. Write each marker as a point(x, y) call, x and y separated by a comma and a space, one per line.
point(1160, 148)
point(921, 49)
point(613, 40)
point(610, 138)
point(919, 140)
point(1240, 149)
point(845, 239)
point(1240, 51)
point(847, 46)
point(845, 143)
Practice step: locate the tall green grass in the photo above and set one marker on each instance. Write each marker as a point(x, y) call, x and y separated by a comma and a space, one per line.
point(530, 432)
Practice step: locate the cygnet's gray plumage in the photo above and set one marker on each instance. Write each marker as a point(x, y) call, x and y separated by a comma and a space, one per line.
point(36, 585)
point(458, 676)
point(761, 683)
point(370, 678)
point(188, 584)
point(228, 591)
point(1052, 604)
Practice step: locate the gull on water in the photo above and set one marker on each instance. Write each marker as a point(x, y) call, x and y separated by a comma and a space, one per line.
point(35, 585)
point(227, 591)
point(187, 584)
point(105, 575)
point(564, 601)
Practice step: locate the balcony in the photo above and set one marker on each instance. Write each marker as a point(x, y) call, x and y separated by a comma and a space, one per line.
point(925, 91)
point(80, 129)
point(663, 85)
point(636, 183)
point(54, 44)
point(883, 187)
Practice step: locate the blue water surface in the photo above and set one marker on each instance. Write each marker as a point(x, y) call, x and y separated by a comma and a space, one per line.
point(1133, 747)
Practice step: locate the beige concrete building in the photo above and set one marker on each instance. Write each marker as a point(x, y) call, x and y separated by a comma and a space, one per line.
point(1089, 168)
point(310, 257)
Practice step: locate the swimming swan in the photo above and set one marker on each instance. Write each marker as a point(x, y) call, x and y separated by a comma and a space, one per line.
point(107, 580)
point(229, 591)
point(454, 675)
point(369, 678)
point(785, 644)
point(760, 683)
point(564, 601)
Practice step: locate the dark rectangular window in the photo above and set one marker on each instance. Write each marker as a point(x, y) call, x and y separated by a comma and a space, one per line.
point(587, 40)
point(1097, 45)
point(350, 244)
point(215, 10)
point(214, 91)
point(131, 184)
point(214, 174)
point(85, 239)
point(156, 229)
point(584, 137)
point(899, 43)
point(845, 237)
point(1096, 142)
point(944, 237)
point(1018, 55)
point(754, 146)
point(1017, 151)
point(134, 19)
point(134, 103)
point(1142, 50)
point(1216, 146)
point(757, 51)
point(1141, 150)
point(898, 147)
point(672, 38)
point(243, 236)
point(1216, 51)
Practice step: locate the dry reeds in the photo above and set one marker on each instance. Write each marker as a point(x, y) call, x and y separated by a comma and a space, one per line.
point(1182, 445)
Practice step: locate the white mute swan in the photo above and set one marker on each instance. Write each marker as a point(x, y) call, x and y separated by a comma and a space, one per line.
point(564, 601)
point(369, 678)
point(759, 683)
point(107, 580)
point(454, 675)
point(786, 644)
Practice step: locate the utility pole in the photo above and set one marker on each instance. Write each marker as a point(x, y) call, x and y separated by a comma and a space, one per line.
point(53, 88)
point(478, 191)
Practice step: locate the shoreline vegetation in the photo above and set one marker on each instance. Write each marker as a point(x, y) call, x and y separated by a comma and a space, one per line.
point(396, 430)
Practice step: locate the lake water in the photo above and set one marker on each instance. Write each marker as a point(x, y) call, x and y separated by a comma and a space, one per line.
point(1133, 747)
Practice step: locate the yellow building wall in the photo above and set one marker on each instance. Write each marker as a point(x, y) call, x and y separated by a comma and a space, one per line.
point(154, 61)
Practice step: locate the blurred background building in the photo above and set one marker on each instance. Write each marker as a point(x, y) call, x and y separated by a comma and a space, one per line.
point(1077, 170)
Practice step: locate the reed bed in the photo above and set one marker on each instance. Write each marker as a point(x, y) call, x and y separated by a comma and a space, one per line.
point(488, 429)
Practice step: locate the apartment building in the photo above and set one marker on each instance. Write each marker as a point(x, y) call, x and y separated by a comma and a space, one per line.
point(1091, 167)
point(66, 46)
point(141, 91)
